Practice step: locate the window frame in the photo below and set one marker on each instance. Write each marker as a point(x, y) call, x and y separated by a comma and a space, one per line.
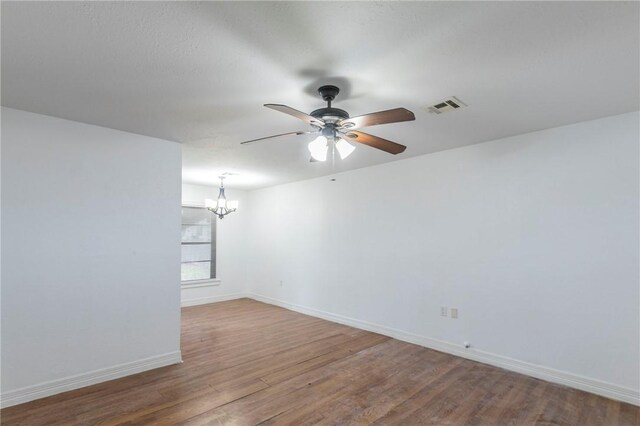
point(204, 282)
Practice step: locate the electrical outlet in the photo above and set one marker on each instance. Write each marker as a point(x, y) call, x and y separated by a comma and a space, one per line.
point(454, 313)
point(443, 311)
point(281, 283)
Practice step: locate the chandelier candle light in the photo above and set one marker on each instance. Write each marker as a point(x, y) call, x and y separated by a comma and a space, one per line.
point(221, 207)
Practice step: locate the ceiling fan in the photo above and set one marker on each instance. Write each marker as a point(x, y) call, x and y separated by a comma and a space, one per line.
point(337, 129)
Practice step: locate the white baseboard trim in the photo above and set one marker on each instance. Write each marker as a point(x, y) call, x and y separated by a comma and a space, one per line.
point(211, 299)
point(587, 384)
point(77, 381)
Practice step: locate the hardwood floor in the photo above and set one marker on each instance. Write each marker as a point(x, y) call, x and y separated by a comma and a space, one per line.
point(249, 363)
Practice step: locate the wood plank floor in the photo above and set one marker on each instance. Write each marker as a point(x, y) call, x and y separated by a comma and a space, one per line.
point(248, 363)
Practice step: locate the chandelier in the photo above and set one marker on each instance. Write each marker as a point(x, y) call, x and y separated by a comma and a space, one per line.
point(221, 207)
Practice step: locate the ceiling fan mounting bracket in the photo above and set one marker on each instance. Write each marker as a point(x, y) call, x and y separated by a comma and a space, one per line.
point(328, 92)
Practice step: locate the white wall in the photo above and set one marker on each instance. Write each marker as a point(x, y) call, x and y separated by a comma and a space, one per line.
point(230, 250)
point(534, 238)
point(91, 254)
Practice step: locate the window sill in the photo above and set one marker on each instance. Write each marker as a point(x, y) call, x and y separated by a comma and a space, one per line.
point(201, 283)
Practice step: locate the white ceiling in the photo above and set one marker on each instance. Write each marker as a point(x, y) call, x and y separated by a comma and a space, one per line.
point(199, 72)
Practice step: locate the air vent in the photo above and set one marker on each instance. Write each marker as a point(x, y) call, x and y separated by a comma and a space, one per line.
point(445, 105)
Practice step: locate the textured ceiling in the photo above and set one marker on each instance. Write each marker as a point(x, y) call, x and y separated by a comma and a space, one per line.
point(199, 72)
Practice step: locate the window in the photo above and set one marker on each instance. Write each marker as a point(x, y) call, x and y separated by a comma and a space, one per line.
point(198, 244)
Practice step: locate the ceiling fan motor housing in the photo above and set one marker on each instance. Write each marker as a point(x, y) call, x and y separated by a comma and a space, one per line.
point(328, 114)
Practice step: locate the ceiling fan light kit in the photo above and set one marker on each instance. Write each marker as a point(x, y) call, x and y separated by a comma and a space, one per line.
point(320, 145)
point(318, 148)
point(344, 148)
point(337, 128)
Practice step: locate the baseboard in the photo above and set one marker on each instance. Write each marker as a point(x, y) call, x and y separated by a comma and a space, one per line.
point(587, 384)
point(53, 387)
point(211, 299)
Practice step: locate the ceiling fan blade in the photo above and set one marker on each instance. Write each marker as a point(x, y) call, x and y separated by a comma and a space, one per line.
point(381, 117)
point(276, 136)
point(374, 141)
point(297, 114)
